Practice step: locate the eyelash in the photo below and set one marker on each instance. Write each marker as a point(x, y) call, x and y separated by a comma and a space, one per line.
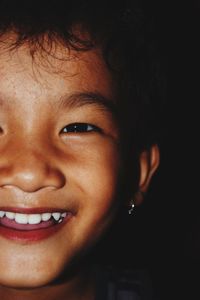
point(80, 128)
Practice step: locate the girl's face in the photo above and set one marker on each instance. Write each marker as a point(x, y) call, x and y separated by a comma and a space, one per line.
point(59, 152)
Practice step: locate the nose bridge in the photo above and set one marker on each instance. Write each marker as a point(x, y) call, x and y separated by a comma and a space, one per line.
point(29, 159)
point(29, 167)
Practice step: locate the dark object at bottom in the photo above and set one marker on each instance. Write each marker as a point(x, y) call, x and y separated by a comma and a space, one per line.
point(117, 284)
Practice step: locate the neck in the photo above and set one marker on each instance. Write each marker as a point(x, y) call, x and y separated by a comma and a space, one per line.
point(80, 287)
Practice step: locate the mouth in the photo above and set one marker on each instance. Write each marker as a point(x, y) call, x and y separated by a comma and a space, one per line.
point(32, 224)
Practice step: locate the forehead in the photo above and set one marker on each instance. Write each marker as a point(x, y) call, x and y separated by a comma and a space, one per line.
point(52, 74)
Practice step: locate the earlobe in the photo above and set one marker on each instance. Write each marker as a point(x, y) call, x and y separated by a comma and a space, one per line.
point(149, 162)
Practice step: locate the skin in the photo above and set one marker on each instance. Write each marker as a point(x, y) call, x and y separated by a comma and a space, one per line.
point(41, 165)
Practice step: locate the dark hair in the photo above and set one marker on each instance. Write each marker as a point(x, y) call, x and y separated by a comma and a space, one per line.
point(126, 38)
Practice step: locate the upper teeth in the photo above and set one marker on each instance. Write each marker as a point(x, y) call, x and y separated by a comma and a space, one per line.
point(32, 218)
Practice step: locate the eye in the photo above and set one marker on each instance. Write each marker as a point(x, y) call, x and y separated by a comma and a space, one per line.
point(80, 128)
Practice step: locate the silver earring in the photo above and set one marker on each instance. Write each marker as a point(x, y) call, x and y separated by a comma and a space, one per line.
point(131, 209)
point(138, 198)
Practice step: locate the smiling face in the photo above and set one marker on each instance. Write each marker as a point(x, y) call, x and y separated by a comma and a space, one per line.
point(59, 151)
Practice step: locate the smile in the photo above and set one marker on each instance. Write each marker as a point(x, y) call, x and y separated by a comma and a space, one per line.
point(31, 226)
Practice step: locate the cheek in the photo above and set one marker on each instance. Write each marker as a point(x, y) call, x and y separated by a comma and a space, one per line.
point(97, 167)
point(93, 172)
point(99, 192)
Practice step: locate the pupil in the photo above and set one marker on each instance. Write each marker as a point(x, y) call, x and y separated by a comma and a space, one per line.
point(77, 128)
point(80, 128)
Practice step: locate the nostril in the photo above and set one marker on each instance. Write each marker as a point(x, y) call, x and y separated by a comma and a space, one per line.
point(1, 131)
point(31, 179)
point(27, 188)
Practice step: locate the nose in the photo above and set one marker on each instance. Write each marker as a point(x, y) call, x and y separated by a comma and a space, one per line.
point(29, 171)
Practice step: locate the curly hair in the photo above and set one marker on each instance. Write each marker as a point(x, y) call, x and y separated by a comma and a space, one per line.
point(126, 38)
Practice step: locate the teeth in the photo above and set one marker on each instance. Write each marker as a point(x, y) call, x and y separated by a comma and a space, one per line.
point(21, 218)
point(32, 218)
point(56, 215)
point(2, 213)
point(46, 216)
point(10, 215)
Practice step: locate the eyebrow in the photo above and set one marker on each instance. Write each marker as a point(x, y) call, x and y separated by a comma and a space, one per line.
point(88, 98)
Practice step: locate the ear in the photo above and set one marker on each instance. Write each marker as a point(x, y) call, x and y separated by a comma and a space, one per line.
point(149, 162)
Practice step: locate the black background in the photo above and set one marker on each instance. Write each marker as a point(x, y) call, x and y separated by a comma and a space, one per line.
point(163, 236)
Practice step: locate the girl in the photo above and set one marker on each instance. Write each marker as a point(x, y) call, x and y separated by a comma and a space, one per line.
point(78, 92)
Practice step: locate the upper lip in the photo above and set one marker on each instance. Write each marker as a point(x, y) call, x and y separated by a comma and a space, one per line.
point(33, 210)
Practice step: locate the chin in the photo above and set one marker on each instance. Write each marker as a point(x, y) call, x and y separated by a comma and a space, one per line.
point(32, 280)
point(26, 280)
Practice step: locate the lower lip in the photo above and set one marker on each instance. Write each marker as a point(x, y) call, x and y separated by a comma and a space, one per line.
point(32, 235)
